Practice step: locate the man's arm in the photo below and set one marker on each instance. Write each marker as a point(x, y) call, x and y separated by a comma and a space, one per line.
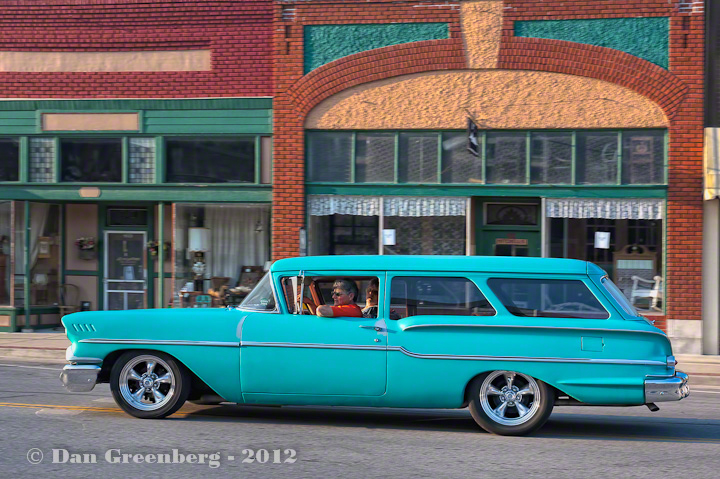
point(325, 311)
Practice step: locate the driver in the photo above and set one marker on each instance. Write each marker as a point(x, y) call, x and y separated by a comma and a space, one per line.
point(344, 293)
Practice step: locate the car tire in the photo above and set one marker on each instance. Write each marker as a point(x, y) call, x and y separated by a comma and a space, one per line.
point(165, 384)
point(509, 403)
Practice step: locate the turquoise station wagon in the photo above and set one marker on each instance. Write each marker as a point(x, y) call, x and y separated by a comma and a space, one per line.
point(508, 337)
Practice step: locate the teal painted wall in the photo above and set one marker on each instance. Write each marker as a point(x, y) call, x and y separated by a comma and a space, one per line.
point(647, 38)
point(249, 116)
point(325, 43)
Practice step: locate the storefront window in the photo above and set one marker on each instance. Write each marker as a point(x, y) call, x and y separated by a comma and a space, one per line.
point(375, 158)
point(220, 252)
point(643, 157)
point(551, 158)
point(331, 156)
point(418, 159)
point(597, 158)
point(5, 252)
point(142, 160)
point(9, 159)
point(632, 256)
point(506, 157)
point(90, 160)
point(343, 234)
point(426, 235)
point(210, 160)
point(458, 164)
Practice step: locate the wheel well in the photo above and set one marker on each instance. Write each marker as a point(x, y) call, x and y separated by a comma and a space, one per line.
point(466, 393)
point(198, 387)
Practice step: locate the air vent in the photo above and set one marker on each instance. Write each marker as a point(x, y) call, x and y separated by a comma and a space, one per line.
point(83, 327)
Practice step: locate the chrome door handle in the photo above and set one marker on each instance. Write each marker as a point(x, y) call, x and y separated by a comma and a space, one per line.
point(376, 328)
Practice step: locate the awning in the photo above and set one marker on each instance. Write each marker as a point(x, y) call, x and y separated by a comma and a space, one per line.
point(323, 205)
point(611, 209)
point(712, 163)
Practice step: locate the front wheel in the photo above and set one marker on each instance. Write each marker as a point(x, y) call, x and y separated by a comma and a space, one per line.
point(149, 385)
point(510, 403)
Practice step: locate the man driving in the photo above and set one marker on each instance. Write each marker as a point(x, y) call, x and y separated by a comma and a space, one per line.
point(345, 291)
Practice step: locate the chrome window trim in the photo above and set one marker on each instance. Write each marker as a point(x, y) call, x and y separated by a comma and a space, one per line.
point(163, 342)
point(636, 362)
point(415, 326)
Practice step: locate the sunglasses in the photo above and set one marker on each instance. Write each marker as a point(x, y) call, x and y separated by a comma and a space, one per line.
point(335, 293)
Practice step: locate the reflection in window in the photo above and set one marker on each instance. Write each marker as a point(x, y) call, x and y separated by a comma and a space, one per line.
point(5, 250)
point(551, 158)
point(547, 298)
point(597, 158)
point(418, 159)
point(91, 159)
point(9, 159)
point(506, 152)
point(427, 235)
point(643, 157)
point(210, 160)
point(458, 164)
point(330, 157)
point(375, 157)
point(415, 296)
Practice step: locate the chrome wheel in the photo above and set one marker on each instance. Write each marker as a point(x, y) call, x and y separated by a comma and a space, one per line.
point(147, 383)
point(509, 398)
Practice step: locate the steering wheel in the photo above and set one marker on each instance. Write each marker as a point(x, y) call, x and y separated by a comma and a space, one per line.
point(310, 304)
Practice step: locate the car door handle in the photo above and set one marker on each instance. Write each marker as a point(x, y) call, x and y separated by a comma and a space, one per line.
point(376, 328)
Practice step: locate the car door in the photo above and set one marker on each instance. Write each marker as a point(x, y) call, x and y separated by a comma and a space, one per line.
point(303, 354)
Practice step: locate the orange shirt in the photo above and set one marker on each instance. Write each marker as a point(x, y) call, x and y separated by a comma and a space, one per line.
point(351, 310)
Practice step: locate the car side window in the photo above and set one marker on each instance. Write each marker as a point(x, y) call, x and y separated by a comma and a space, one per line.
point(261, 298)
point(436, 295)
point(563, 298)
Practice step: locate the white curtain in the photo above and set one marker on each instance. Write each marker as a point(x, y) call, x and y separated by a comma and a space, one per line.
point(409, 206)
point(239, 236)
point(38, 218)
point(611, 209)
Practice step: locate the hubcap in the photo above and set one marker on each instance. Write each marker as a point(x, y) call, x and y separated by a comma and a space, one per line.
point(147, 383)
point(509, 398)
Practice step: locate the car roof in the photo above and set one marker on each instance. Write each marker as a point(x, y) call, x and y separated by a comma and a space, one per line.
point(462, 264)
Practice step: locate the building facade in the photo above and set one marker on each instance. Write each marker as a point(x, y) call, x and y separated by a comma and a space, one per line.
point(587, 121)
point(135, 153)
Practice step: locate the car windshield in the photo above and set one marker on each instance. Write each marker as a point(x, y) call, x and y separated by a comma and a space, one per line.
point(262, 297)
point(619, 296)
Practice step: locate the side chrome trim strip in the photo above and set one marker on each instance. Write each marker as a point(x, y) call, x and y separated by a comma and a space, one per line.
point(162, 342)
point(312, 346)
point(416, 326)
point(635, 362)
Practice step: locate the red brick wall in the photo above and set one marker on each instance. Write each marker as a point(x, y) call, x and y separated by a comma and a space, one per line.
point(295, 96)
point(239, 33)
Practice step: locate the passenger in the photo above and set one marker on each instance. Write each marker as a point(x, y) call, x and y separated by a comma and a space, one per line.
point(345, 291)
point(371, 299)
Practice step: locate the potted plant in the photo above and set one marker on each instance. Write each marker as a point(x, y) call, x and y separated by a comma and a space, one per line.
point(152, 247)
point(86, 247)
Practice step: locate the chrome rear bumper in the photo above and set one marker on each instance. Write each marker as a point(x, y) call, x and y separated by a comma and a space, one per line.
point(79, 378)
point(673, 388)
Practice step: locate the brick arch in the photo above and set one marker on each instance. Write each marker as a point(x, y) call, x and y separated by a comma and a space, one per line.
point(373, 65)
point(602, 63)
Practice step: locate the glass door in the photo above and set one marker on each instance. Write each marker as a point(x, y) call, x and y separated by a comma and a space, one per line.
point(125, 281)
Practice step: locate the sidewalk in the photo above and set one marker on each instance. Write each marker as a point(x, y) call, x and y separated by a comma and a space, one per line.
point(704, 371)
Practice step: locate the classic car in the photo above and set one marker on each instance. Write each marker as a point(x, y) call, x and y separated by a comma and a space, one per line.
point(507, 337)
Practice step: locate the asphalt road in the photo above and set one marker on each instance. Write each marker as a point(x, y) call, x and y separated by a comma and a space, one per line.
point(40, 421)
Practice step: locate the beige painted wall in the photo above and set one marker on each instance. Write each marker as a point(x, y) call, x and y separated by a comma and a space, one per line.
point(91, 121)
point(88, 288)
point(111, 61)
point(481, 25)
point(493, 98)
point(4, 320)
point(80, 220)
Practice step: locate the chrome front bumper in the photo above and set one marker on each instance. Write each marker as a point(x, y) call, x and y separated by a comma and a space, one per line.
point(79, 378)
point(672, 388)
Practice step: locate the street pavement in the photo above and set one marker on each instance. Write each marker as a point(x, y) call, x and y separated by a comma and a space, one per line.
point(49, 432)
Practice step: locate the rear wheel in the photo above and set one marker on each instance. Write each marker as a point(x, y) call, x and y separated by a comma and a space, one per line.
point(510, 403)
point(149, 385)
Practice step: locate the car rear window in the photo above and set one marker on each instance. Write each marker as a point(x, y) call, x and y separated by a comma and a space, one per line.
point(547, 298)
point(433, 295)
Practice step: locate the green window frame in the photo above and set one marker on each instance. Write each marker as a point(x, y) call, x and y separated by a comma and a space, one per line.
point(631, 152)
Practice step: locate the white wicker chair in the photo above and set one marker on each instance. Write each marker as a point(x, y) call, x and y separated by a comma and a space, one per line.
point(645, 288)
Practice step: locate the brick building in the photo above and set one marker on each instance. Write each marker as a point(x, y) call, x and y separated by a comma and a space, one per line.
point(125, 126)
point(589, 141)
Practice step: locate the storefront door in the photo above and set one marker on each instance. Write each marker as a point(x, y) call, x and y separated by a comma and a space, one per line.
point(508, 227)
point(510, 243)
point(125, 281)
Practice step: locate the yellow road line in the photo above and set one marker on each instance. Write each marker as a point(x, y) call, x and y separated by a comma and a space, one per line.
point(74, 408)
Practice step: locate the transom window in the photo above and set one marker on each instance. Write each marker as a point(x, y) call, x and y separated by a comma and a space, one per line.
point(9, 159)
point(506, 157)
point(563, 298)
point(88, 160)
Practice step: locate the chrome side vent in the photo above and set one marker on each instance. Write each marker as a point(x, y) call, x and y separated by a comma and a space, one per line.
point(84, 327)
